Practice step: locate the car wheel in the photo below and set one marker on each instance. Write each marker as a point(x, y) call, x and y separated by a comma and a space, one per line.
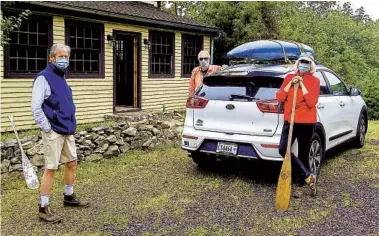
point(203, 160)
point(359, 141)
point(316, 154)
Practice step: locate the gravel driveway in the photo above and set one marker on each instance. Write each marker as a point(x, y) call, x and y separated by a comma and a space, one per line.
point(162, 192)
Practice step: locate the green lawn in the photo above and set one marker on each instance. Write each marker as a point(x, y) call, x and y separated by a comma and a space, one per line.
point(162, 192)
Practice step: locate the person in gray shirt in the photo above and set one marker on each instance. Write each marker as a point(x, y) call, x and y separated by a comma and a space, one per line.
point(54, 113)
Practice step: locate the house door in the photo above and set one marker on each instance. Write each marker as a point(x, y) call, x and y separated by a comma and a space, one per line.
point(126, 71)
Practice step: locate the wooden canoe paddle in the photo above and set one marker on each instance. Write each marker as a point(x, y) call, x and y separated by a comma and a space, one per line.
point(283, 190)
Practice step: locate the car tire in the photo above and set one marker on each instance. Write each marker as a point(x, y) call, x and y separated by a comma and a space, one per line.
point(316, 154)
point(203, 160)
point(359, 140)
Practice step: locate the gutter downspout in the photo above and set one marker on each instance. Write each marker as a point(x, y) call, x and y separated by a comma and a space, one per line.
point(212, 46)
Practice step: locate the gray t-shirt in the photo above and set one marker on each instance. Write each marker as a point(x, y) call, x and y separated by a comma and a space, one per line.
point(41, 91)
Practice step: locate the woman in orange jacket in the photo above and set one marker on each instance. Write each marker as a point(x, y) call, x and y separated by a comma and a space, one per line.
point(305, 116)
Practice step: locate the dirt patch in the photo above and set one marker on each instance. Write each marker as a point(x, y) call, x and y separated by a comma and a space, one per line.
point(375, 142)
point(356, 213)
point(353, 155)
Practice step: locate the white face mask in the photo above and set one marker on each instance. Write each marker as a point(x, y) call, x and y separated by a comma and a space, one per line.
point(203, 62)
point(303, 67)
point(62, 63)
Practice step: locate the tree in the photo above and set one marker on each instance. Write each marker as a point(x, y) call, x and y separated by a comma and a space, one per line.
point(269, 18)
point(360, 15)
point(347, 9)
point(9, 24)
point(343, 40)
point(181, 8)
point(239, 21)
point(321, 8)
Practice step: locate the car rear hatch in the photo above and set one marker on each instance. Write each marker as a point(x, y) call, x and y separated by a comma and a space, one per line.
point(237, 105)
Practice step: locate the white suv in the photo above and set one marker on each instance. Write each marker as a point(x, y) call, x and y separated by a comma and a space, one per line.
point(235, 114)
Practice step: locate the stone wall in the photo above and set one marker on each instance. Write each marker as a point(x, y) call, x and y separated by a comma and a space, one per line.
point(95, 144)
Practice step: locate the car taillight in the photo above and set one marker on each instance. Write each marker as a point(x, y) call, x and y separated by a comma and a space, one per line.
point(270, 106)
point(196, 102)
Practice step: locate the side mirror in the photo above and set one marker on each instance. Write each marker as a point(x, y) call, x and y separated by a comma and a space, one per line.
point(355, 92)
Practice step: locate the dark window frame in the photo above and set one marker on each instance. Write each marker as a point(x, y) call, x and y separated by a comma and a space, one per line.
point(330, 86)
point(189, 36)
point(326, 83)
point(6, 49)
point(101, 73)
point(165, 33)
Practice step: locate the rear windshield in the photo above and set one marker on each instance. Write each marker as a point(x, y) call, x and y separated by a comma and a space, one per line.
point(240, 88)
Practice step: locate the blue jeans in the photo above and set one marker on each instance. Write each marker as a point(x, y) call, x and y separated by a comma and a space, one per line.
point(300, 164)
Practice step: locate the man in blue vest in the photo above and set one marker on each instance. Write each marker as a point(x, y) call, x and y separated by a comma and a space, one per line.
point(54, 113)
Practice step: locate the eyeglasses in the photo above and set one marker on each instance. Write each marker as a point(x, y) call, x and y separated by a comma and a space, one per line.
point(66, 57)
point(203, 58)
point(305, 62)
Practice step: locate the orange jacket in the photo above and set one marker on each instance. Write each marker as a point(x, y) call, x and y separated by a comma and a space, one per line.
point(305, 111)
point(197, 78)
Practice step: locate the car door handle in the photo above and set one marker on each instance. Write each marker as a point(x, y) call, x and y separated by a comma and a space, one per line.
point(320, 106)
point(342, 104)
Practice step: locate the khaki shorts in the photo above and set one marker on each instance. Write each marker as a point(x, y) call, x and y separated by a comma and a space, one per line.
point(58, 149)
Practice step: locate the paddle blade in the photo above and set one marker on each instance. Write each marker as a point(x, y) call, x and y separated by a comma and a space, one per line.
point(283, 190)
point(30, 175)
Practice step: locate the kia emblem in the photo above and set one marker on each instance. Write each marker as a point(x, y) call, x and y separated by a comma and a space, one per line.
point(230, 106)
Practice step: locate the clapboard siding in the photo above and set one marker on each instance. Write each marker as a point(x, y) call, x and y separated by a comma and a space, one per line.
point(157, 91)
point(1, 58)
point(207, 43)
point(94, 97)
point(28, 83)
point(58, 30)
point(171, 106)
point(85, 92)
point(79, 99)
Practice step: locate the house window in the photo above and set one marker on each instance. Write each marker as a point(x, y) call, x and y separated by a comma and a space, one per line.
point(161, 54)
point(27, 51)
point(191, 46)
point(87, 51)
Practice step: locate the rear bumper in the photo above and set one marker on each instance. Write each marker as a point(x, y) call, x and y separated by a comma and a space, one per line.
point(248, 146)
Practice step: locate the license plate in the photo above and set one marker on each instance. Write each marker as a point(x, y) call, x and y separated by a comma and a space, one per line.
point(227, 148)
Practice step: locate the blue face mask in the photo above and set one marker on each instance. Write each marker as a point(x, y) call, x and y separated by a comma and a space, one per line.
point(204, 63)
point(61, 63)
point(303, 67)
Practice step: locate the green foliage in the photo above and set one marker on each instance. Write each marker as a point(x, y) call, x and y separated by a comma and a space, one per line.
point(345, 40)
point(180, 8)
point(371, 96)
point(10, 23)
point(239, 21)
point(347, 45)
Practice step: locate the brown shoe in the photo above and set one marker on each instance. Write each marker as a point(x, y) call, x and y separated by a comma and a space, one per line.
point(48, 215)
point(311, 181)
point(73, 200)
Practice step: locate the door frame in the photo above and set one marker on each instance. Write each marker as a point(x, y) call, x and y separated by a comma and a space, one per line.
point(139, 67)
